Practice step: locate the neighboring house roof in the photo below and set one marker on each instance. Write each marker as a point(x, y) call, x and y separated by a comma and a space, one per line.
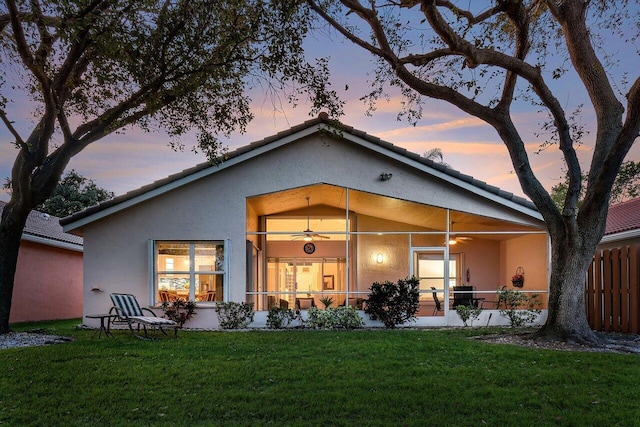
point(624, 216)
point(46, 229)
point(319, 124)
point(623, 221)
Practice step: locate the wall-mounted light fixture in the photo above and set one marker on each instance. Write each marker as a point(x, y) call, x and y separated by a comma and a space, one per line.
point(385, 176)
point(379, 258)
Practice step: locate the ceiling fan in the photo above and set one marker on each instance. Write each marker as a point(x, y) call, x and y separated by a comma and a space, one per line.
point(453, 239)
point(308, 234)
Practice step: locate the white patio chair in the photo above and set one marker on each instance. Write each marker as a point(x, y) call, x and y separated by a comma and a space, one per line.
point(126, 307)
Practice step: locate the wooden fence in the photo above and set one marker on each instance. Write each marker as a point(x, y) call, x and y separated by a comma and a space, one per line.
point(613, 290)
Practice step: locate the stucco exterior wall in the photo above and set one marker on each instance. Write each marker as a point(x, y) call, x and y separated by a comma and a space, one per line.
point(117, 250)
point(532, 249)
point(48, 284)
point(482, 259)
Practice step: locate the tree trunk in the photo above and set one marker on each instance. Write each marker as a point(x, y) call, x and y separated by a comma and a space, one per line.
point(14, 218)
point(566, 319)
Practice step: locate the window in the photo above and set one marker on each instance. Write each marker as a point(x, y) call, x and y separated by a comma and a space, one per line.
point(189, 270)
point(429, 268)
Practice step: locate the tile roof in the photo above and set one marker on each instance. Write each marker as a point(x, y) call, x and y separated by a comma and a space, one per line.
point(624, 216)
point(322, 118)
point(47, 227)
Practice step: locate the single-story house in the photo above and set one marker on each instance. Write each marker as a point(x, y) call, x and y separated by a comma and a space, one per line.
point(319, 210)
point(48, 279)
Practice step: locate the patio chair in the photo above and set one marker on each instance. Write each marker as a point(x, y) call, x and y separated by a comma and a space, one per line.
point(495, 304)
point(127, 310)
point(436, 300)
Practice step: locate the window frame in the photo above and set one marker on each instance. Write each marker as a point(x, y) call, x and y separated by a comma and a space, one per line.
point(191, 271)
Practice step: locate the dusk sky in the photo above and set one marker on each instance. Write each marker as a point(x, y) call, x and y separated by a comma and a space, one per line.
point(121, 163)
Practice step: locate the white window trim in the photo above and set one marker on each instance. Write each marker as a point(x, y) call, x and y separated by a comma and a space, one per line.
point(153, 271)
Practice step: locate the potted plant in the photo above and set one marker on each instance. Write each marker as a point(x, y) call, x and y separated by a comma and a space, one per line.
point(326, 301)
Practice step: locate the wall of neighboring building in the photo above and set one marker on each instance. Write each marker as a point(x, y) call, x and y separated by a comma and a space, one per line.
point(48, 284)
point(608, 243)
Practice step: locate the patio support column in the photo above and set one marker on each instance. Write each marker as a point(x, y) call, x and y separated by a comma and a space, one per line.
point(346, 242)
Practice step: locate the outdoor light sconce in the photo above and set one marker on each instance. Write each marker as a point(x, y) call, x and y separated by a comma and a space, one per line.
point(385, 176)
point(379, 258)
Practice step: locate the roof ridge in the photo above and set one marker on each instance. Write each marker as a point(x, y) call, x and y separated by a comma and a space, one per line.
point(322, 118)
point(47, 226)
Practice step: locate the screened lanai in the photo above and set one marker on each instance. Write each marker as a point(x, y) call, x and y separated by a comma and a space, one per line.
point(309, 245)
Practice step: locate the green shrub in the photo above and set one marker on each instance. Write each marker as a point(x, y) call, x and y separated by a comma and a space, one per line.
point(468, 313)
point(331, 318)
point(234, 315)
point(393, 303)
point(279, 317)
point(520, 309)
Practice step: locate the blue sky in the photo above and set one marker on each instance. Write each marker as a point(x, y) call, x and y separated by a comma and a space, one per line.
point(121, 163)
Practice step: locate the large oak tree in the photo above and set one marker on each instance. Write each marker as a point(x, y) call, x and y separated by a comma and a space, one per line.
point(94, 67)
point(484, 57)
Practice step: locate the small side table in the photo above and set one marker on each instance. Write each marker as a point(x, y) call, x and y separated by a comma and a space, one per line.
point(105, 326)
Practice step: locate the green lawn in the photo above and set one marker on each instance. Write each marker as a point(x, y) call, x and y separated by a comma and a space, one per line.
point(390, 378)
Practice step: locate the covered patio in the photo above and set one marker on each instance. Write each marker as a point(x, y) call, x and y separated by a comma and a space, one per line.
point(320, 242)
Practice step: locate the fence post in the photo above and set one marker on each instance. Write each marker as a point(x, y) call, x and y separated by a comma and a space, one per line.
point(634, 291)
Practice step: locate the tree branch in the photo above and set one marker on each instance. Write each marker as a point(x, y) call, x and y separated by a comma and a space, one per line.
point(46, 40)
point(609, 111)
point(13, 131)
point(342, 30)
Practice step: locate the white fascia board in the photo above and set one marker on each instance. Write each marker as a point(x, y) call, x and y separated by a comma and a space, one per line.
point(445, 177)
point(623, 235)
point(190, 178)
point(54, 243)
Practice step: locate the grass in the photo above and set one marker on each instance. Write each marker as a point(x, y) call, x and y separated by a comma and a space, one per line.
point(377, 378)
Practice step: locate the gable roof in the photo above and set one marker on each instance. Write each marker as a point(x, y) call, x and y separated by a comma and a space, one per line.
point(320, 124)
point(46, 229)
point(623, 217)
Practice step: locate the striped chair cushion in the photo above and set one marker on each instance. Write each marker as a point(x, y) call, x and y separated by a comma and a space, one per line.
point(127, 303)
point(154, 321)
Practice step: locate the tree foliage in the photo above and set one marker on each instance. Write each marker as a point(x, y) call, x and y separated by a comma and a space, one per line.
point(435, 154)
point(488, 57)
point(95, 67)
point(73, 194)
point(625, 187)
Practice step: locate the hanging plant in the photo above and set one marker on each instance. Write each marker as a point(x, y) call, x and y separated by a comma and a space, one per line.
point(518, 279)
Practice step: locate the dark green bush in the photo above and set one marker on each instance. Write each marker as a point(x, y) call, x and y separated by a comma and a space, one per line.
point(279, 317)
point(520, 308)
point(393, 303)
point(234, 315)
point(332, 318)
point(468, 313)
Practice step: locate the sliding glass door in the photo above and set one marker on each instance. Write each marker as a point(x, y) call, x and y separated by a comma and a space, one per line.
point(431, 269)
point(295, 281)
